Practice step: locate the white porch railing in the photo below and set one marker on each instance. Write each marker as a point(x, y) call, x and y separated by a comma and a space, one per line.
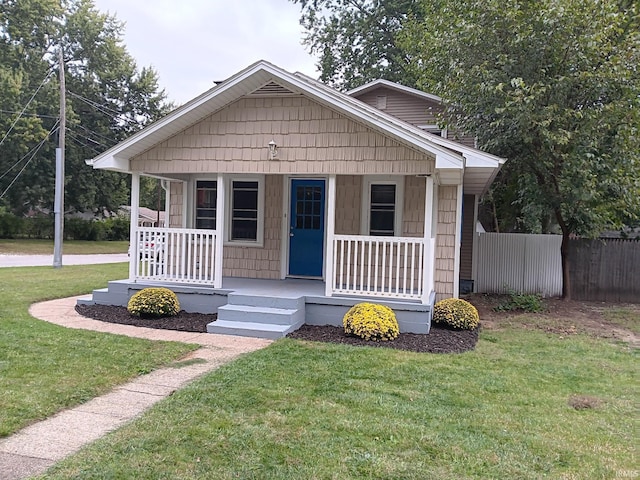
point(391, 267)
point(175, 255)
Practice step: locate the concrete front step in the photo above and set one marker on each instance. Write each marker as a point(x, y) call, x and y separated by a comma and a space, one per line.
point(251, 314)
point(251, 329)
point(269, 301)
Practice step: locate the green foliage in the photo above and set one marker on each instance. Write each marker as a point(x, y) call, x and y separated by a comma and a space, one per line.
point(523, 302)
point(154, 302)
point(371, 322)
point(358, 40)
point(108, 98)
point(456, 313)
point(41, 226)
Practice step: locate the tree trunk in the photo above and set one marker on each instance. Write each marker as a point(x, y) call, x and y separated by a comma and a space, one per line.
point(564, 257)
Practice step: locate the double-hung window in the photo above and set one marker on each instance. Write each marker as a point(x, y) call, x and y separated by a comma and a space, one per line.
point(244, 211)
point(382, 214)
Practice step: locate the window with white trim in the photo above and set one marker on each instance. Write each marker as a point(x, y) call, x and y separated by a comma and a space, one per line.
point(244, 209)
point(382, 215)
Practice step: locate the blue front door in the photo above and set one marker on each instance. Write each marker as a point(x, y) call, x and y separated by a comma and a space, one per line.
point(306, 228)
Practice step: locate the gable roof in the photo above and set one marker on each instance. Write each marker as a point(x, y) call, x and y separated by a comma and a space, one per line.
point(367, 87)
point(264, 78)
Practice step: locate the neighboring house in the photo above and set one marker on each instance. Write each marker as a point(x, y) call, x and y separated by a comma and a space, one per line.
point(285, 195)
point(147, 217)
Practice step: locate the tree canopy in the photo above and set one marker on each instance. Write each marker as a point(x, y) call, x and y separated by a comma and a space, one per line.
point(108, 98)
point(553, 86)
point(358, 40)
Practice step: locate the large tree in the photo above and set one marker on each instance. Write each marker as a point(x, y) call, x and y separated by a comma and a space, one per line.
point(357, 40)
point(108, 98)
point(553, 86)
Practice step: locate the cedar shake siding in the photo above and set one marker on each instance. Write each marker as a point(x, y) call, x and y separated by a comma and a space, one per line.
point(348, 204)
point(311, 138)
point(176, 201)
point(445, 241)
point(413, 215)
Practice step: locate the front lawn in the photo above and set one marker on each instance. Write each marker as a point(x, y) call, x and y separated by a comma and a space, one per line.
point(524, 405)
point(45, 368)
point(70, 247)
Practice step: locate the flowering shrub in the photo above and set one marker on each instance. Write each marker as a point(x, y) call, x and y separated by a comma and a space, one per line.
point(154, 302)
point(371, 322)
point(456, 313)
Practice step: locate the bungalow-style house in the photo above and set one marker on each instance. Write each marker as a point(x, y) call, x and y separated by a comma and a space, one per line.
point(288, 202)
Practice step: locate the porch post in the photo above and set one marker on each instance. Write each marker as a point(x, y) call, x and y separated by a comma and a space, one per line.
point(133, 224)
point(456, 264)
point(331, 230)
point(429, 256)
point(220, 223)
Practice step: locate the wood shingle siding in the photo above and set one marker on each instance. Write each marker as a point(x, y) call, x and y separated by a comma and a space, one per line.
point(413, 215)
point(176, 199)
point(445, 241)
point(348, 204)
point(312, 139)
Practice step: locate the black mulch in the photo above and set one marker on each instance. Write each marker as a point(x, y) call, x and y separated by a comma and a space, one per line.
point(439, 340)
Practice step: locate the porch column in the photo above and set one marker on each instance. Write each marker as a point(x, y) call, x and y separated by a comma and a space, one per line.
point(456, 265)
point(331, 230)
point(220, 222)
point(133, 224)
point(429, 256)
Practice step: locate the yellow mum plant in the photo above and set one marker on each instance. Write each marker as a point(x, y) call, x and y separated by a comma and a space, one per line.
point(456, 313)
point(154, 302)
point(371, 322)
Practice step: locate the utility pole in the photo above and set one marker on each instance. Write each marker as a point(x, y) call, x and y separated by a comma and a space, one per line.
point(58, 204)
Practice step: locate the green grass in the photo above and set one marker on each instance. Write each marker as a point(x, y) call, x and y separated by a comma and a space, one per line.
point(45, 368)
point(625, 317)
point(70, 247)
point(300, 410)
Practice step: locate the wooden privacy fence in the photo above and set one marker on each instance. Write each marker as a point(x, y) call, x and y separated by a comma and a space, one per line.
point(524, 263)
point(605, 270)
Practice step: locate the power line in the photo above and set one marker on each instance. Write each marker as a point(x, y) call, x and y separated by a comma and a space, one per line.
point(104, 109)
point(24, 156)
point(29, 114)
point(25, 107)
point(37, 149)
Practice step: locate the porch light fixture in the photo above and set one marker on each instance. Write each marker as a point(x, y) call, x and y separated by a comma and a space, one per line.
point(273, 149)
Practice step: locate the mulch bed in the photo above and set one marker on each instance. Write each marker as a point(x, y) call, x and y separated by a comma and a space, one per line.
point(439, 340)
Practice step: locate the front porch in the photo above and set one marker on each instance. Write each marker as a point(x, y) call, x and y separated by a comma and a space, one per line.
point(267, 308)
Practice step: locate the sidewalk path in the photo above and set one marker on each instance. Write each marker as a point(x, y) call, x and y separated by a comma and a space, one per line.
point(32, 450)
point(47, 260)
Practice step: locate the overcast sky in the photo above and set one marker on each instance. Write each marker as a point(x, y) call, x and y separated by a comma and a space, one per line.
point(192, 43)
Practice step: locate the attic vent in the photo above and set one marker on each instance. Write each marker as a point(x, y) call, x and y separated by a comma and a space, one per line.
point(381, 102)
point(271, 89)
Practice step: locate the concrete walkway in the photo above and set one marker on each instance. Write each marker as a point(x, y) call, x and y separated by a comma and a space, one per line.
point(47, 260)
point(34, 449)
